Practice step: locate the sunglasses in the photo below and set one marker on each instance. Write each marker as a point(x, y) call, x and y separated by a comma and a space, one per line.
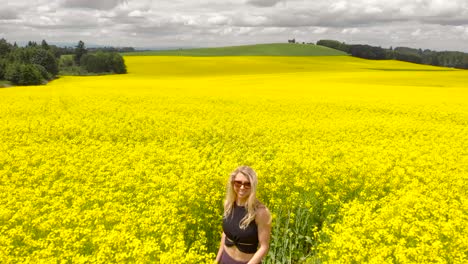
point(238, 184)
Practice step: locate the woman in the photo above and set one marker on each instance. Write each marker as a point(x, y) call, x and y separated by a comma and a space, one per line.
point(246, 221)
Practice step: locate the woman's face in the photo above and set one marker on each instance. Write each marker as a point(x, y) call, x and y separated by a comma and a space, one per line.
point(241, 186)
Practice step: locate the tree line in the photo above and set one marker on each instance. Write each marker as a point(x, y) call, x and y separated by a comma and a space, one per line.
point(36, 64)
point(454, 59)
point(85, 62)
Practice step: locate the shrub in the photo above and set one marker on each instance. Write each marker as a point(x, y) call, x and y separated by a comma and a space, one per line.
point(12, 73)
point(23, 74)
point(46, 59)
point(43, 71)
point(66, 61)
point(118, 64)
point(103, 62)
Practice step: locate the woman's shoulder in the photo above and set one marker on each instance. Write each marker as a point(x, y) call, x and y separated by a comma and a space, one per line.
point(260, 205)
point(262, 214)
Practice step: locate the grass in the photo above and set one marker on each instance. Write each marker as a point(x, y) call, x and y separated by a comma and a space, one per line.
point(276, 49)
point(4, 83)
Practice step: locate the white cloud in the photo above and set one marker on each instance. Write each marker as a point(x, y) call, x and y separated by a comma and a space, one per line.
point(252, 20)
point(416, 33)
point(135, 13)
point(319, 30)
point(339, 6)
point(218, 20)
point(274, 30)
point(350, 31)
point(372, 10)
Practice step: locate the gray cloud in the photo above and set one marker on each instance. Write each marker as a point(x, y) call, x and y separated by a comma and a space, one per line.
point(434, 24)
point(263, 3)
point(446, 21)
point(306, 18)
point(8, 14)
point(93, 4)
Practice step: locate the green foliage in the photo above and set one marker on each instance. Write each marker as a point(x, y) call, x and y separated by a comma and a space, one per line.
point(293, 236)
point(103, 62)
point(12, 72)
point(35, 55)
point(5, 47)
point(2, 68)
point(32, 44)
point(23, 74)
point(44, 45)
point(453, 59)
point(30, 75)
point(80, 50)
point(30, 65)
point(334, 44)
point(43, 71)
point(4, 84)
point(34, 64)
point(68, 67)
point(99, 62)
point(367, 52)
point(74, 71)
point(118, 64)
point(46, 59)
point(66, 61)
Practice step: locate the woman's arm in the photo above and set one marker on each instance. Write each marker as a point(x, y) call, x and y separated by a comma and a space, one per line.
point(221, 248)
point(263, 220)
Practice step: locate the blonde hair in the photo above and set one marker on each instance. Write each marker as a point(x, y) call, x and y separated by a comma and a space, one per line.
point(252, 203)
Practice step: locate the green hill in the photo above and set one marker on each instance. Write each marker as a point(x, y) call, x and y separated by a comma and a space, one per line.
point(278, 49)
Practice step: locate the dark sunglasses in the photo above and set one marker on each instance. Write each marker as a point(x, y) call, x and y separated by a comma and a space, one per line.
point(238, 184)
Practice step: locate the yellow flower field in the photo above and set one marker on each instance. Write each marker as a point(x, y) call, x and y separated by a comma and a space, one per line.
point(359, 161)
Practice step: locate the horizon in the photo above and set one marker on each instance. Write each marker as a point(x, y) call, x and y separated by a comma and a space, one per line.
point(427, 24)
point(162, 48)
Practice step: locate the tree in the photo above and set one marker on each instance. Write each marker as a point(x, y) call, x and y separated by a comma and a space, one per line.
point(435, 60)
point(44, 45)
point(80, 50)
point(334, 44)
point(94, 63)
point(5, 47)
point(368, 52)
point(23, 74)
point(44, 73)
point(30, 75)
point(2, 68)
point(407, 57)
point(103, 62)
point(66, 61)
point(118, 64)
point(32, 44)
point(12, 72)
point(46, 59)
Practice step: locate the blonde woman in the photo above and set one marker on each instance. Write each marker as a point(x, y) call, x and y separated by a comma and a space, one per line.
point(246, 221)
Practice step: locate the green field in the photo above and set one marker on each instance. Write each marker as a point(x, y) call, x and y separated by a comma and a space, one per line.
point(278, 49)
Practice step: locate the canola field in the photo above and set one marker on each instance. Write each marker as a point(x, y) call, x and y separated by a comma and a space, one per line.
point(359, 161)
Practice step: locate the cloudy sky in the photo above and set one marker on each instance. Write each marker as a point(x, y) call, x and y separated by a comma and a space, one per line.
point(432, 24)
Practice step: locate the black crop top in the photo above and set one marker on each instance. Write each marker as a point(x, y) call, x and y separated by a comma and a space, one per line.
point(246, 240)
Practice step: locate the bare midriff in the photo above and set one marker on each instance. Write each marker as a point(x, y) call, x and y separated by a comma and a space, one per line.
point(236, 254)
